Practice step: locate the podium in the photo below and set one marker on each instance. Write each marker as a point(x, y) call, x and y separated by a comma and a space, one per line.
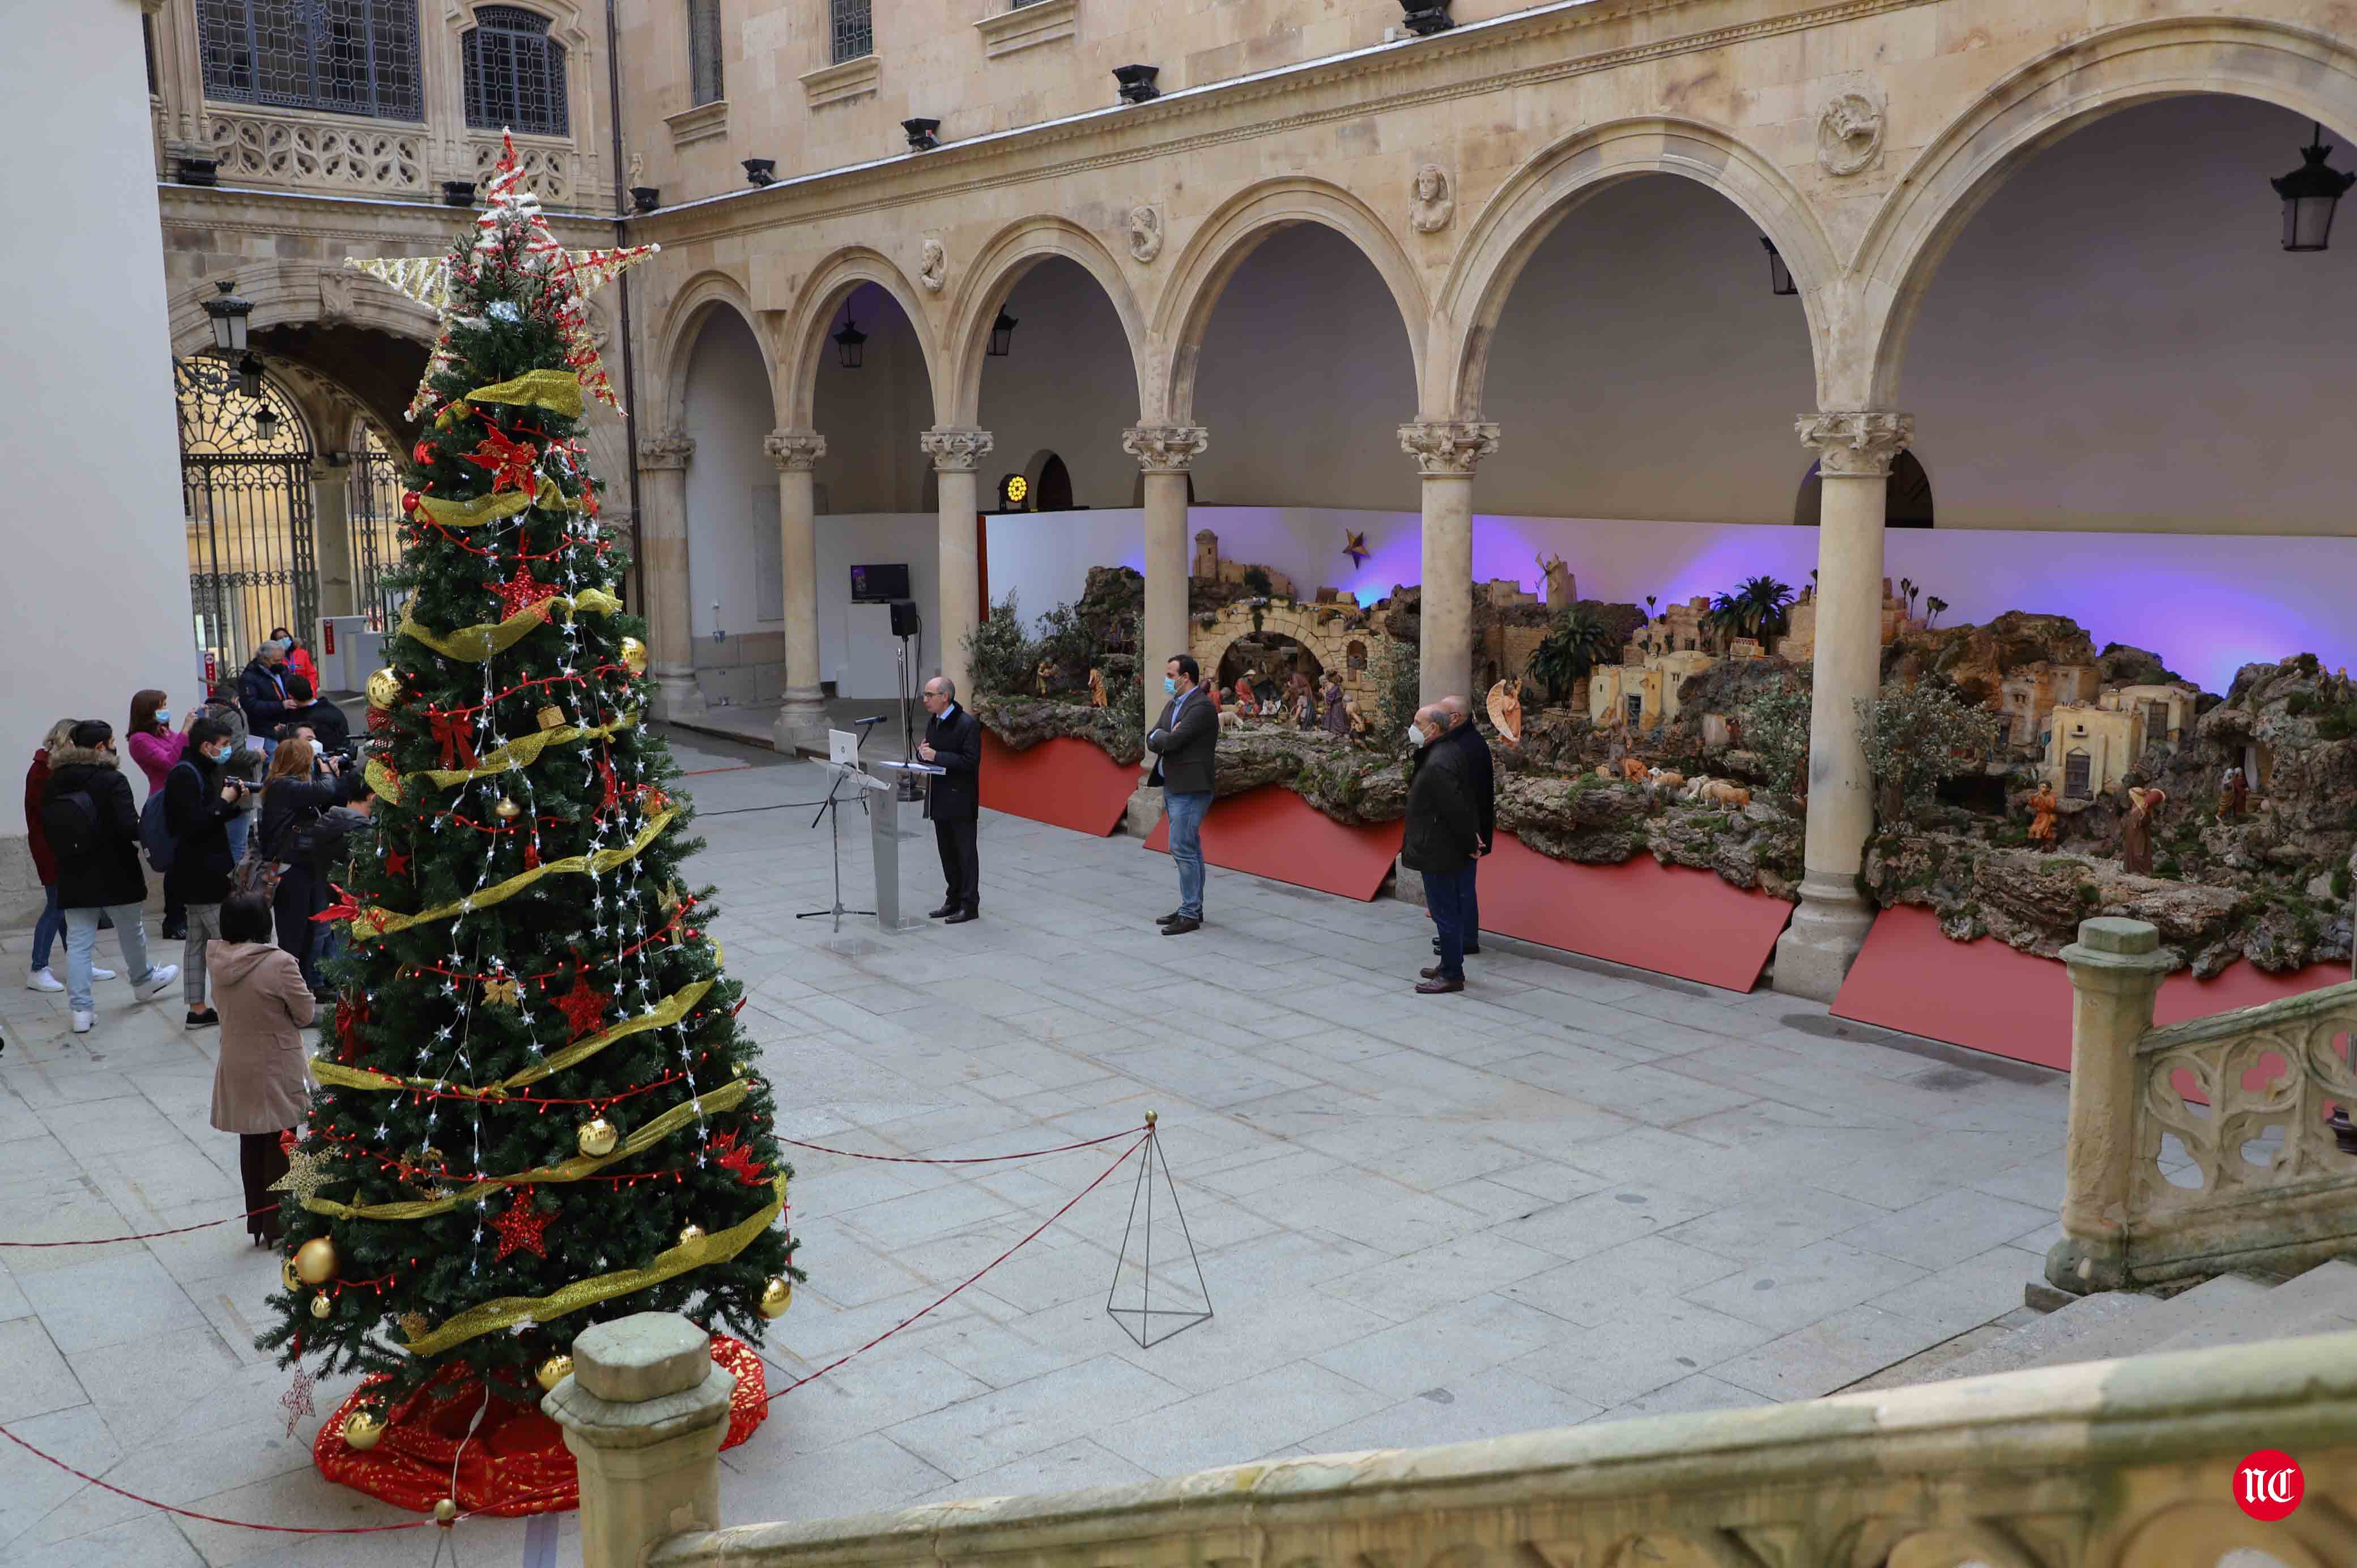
point(879, 793)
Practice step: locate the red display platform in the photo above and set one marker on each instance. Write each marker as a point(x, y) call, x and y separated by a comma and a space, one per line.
point(1064, 782)
point(1986, 996)
point(1670, 919)
point(1271, 832)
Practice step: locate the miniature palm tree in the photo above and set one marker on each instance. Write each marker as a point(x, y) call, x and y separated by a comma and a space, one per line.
point(1935, 604)
point(1755, 609)
point(1570, 652)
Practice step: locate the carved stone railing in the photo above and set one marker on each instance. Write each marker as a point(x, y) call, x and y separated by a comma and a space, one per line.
point(552, 169)
point(2203, 1147)
point(2123, 1464)
point(352, 157)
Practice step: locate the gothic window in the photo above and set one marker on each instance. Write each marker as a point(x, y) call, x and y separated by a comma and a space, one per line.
point(515, 73)
point(853, 29)
point(704, 51)
point(348, 56)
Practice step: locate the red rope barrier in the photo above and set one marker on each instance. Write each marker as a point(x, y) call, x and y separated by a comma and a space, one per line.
point(974, 1160)
point(148, 1235)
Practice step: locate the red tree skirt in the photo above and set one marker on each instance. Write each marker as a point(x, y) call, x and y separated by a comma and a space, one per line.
point(516, 1461)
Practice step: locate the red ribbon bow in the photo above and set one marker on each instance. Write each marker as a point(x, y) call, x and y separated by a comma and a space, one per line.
point(454, 734)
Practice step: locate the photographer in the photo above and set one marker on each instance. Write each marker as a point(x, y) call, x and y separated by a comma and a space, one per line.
point(201, 797)
point(292, 805)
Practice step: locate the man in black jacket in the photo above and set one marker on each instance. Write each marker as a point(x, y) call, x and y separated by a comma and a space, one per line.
point(953, 743)
point(94, 832)
point(1185, 742)
point(1442, 840)
point(1482, 774)
point(262, 692)
point(200, 799)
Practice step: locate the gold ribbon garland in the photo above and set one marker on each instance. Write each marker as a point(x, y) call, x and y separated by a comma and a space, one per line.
point(727, 1097)
point(559, 392)
point(474, 644)
point(520, 753)
point(377, 921)
point(496, 505)
point(506, 1312)
point(662, 1015)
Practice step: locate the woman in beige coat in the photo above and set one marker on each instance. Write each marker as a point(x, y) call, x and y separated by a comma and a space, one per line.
point(261, 1087)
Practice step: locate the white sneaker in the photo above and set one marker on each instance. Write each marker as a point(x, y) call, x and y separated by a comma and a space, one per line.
point(159, 979)
point(43, 979)
point(82, 1021)
point(98, 973)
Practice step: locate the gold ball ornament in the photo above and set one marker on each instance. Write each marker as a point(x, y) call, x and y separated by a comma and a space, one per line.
point(634, 655)
point(507, 810)
point(316, 1262)
point(553, 1371)
point(597, 1137)
point(286, 1274)
point(362, 1430)
point(691, 1231)
point(445, 1509)
point(321, 1306)
point(551, 717)
point(383, 690)
point(777, 1295)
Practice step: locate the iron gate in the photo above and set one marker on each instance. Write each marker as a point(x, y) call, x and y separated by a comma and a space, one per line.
point(245, 487)
point(374, 508)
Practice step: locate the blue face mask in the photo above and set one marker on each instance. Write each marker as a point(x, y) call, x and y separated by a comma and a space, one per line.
point(1170, 685)
point(163, 715)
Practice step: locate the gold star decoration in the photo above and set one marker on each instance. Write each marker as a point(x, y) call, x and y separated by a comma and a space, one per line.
point(306, 1172)
point(579, 273)
point(414, 1326)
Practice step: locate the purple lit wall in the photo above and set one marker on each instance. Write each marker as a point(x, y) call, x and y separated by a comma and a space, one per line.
point(2207, 604)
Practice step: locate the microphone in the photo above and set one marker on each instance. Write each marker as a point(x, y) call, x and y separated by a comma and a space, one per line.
point(864, 724)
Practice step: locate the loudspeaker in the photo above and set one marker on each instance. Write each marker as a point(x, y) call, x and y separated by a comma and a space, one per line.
point(904, 618)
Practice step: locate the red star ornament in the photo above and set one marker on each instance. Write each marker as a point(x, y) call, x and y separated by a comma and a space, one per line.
point(521, 593)
point(512, 464)
point(396, 864)
point(521, 1226)
point(584, 1006)
point(737, 1161)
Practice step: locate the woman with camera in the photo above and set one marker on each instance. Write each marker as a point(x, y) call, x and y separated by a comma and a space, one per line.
point(290, 835)
point(201, 797)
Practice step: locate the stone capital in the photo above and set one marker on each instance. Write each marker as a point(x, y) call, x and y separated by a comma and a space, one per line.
point(1448, 446)
point(1165, 448)
point(1856, 441)
point(955, 449)
point(796, 451)
point(669, 449)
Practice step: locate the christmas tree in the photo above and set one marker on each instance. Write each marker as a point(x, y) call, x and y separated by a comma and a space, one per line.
point(536, 1111)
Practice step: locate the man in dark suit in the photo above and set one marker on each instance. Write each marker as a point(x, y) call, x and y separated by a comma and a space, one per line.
point(953, 743)
point(1482, 774)
point(1184, 742)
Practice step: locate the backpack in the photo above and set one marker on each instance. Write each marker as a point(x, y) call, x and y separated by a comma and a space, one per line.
point(155, 834)
point(70, 821)
point(257, 873)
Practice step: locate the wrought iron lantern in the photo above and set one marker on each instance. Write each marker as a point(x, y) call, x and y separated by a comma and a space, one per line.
point(1426, 18)
point(922, 135)
point(850, 345)
point(249, 375)
point(1002, 335)
point(229, 315)
point(265, 423)
point(457, 193)
point(1138, 82)
point(761, 171)
point(1779, 276)
point(2309, 193)
point(645, 197)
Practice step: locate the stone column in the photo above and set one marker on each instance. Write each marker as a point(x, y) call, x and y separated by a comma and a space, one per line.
point(331, 539)
point(802, 717)
point(1164, 452)
point(1855, 451)
point(662, 536)
point(957, 452)
point(1445, 453)
point(2117, 968)
point(643, 1413)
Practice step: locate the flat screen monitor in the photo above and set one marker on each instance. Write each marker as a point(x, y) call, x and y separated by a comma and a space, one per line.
point(877, 583)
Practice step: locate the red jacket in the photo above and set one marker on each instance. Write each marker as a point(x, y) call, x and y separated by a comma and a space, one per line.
point(36, 785)
point(299, 661)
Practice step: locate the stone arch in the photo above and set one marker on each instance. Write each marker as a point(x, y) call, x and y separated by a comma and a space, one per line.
point(1539, 196)
point(684, 322)
point(2210, 1532)
point(1327, 637)
point(2313, 75)
point(1221, 244)
point(996, 269)
point(290, 294)
point(805, 340)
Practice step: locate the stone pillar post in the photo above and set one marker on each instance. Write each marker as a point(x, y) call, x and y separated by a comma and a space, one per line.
point(957, 452)
point(802, 717)
point(2117, 969)
point(1445, 453)
point(1855, 451)
point(663, 537)
point(331, 538)
point(1164, 452)
point(643, 1413)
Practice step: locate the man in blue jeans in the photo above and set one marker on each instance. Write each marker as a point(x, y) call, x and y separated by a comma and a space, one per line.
point(1184, 742)
point(1442, 840)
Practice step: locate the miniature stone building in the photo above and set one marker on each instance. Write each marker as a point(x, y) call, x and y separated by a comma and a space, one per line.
point(1642, 692)
point(1799, 639)
point(2168, 711)
point(1210, 566)
point(2027, 698)
point(2092, 747)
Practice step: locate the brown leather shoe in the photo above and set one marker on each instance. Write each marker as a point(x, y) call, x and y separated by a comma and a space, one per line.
point(1438, 986)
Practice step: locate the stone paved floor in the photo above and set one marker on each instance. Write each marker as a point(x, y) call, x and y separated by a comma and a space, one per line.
point(1574, 1193)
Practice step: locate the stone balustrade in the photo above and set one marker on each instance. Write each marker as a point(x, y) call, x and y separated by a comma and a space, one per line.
point(2203, 1147)
point(2125, 1464)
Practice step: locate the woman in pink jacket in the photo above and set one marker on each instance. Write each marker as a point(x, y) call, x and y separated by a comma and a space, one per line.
point(157, 747)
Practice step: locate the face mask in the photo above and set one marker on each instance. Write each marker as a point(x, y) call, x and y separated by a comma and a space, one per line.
point(1170, 685)
point(1416, 737)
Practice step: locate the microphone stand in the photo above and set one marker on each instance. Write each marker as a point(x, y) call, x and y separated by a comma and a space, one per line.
point(831, 809)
